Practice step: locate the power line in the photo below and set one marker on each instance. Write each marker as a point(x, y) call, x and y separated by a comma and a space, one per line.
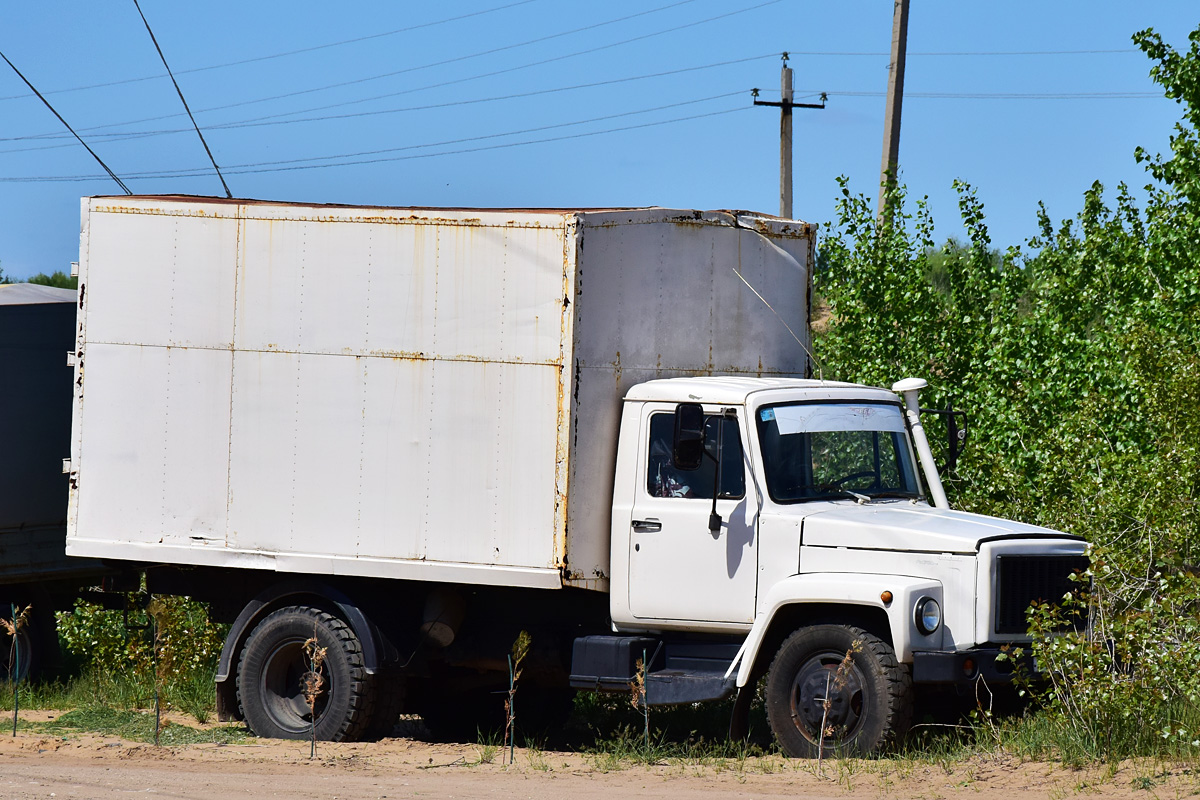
point(1012, 95)
point(965, 52)
point(257, 122)
point(181, 98)
point(949, 53)
point(497, 135)
point(287, 52)
point(247, 171)
point(99, 161)
point(444, 84)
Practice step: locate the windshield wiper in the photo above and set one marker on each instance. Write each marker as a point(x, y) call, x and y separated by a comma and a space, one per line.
point(895, 493)
point(861, 498)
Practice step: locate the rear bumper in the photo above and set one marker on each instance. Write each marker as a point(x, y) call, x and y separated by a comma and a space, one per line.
point(965, 666)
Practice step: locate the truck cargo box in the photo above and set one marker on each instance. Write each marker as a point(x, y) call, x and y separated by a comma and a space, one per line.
point(37, 331)
point(427, 394)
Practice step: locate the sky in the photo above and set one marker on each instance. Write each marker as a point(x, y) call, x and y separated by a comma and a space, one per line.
point(541, 104)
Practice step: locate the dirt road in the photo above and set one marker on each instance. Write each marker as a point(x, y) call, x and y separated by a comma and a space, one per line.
point(35, 765)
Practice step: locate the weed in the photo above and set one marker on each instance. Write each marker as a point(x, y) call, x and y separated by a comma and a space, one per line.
point(520, 649)
point(13, 629)
point(537, 758)
point(487, 753)
point(312, 682)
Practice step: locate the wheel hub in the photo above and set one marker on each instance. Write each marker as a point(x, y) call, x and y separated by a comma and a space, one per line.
point(821, 679)
point(283, 680)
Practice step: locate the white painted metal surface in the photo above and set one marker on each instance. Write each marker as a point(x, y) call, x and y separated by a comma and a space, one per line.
point(409, 393)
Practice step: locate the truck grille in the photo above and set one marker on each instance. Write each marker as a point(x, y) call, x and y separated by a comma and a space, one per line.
point(1021, 580)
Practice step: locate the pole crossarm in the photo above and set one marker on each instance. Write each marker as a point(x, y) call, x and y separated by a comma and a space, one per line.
point(787, 103)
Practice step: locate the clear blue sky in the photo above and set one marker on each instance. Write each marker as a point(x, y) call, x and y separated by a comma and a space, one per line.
point(993, 125)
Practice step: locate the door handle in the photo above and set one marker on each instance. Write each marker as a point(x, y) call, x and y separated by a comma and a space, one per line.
point(650, 525)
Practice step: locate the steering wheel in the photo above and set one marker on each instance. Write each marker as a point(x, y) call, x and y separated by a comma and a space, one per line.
point(852, 476)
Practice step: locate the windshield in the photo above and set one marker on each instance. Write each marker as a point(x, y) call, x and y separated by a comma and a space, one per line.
point(824, 450)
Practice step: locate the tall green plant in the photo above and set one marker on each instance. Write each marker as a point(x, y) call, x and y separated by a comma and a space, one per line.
point(1077, 356)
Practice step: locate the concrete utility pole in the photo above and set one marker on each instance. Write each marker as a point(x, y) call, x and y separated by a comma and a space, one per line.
point(785, 134)
point(785, 141)
point(895, 98)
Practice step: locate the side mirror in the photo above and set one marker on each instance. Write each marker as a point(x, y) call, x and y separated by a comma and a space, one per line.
point(956, 433)
point(687, 447)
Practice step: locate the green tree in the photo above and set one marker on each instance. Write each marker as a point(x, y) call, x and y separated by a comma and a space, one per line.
point(1078, 358)
point(58, 279)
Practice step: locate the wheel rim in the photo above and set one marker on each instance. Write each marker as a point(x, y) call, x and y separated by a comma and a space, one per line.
point(282, 688)
point(848, 702)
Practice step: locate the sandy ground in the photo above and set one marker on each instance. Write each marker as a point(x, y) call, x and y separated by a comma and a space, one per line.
point(36, 765)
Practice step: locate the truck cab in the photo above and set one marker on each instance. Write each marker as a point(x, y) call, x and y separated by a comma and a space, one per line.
point(810, 541)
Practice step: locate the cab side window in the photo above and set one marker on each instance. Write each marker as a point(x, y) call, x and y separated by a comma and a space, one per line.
point(721, 440)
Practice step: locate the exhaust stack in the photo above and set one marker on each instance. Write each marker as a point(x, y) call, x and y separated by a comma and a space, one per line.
point(910, 388)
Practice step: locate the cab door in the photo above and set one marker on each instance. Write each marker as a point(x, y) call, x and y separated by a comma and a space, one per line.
point(678, 569)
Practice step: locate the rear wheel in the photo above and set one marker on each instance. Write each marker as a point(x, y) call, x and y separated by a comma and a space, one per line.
point(273, 669)
point(841, 680)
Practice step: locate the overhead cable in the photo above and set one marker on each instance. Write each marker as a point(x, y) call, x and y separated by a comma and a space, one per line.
point(442, 84)
point(257, 122)
point(182, 99)
point(99, 161)
point(503, 145)
point(493, 73)
point(287, 52)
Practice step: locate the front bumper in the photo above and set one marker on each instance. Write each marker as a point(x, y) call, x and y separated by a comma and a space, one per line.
point(967, 666)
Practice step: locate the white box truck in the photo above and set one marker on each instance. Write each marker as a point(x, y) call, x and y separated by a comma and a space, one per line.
point(418, 432)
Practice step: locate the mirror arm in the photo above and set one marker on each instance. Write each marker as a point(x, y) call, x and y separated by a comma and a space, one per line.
point(714, 519)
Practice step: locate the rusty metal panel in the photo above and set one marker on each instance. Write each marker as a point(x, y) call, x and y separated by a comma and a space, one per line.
point(161, 281)
point(664, 293)
point(384, 402)
point(158, 434)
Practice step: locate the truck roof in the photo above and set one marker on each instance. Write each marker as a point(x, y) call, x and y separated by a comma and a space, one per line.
point(735, 390)
point(25, 294)
point(325, 212)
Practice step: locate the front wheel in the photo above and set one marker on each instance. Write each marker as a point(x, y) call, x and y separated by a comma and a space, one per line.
point(274, 666)
point(839, 689)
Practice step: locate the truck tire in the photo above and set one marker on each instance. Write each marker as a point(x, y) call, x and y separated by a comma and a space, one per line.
point(870, 694)
point(390, 696)
point(273, 664)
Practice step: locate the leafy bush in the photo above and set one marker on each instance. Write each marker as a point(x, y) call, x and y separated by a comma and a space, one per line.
point(1078, 358)
point(112, 645)
point(1130, 684)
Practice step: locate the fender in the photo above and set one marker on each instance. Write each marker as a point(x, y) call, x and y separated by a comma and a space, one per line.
point(845, 589)
point(375, 647)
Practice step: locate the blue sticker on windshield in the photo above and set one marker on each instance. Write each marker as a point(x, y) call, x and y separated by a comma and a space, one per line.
point(767, 414)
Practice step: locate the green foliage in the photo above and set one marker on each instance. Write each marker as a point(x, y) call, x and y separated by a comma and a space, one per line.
point(58, 279)
point(1130, 684)
point(114, 648)
point(1078, 360)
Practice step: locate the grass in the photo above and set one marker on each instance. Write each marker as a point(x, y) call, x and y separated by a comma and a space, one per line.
point(136, 726)
point(608, 731)
point(193, 695)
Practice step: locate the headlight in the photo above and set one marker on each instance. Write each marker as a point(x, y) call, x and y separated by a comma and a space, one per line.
point(928, 615)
